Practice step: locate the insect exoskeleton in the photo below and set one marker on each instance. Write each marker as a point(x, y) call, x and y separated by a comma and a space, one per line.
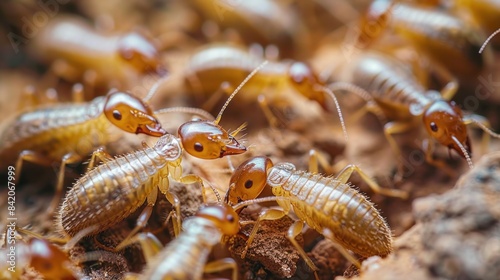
point(186, 256)
point(70, 132)
point(327, 204)
point(393, 89)
point(113, 190)
point(116, 60)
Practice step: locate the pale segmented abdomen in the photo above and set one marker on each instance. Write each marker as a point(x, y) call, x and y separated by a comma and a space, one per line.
point(56, 131)
point(186, 256)
point(328, 204)
point(111, 191)
point(389, 82)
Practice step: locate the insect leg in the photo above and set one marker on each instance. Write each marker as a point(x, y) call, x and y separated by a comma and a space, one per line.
point(428, 147)
point(264, 105)
point(294, 230)
point(68, 158)
point(33, 157)
point(222, 264)
point(142, 220)
point(328, 234)
point(391, 128)
point(346, 173)
point(100, 154)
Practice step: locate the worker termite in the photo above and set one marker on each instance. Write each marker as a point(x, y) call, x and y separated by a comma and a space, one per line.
point(50, 261)
point(328, 205)
point(186, 256)
point(445, 38)
point(115, 189)
point(218, 67)
point(262, 21)
point(407, 104)
point(69, 132)
point(116, 61)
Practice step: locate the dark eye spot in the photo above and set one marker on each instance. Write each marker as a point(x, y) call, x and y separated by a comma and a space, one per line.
point(248, 184)
point(198, 147)
point(434, 126)
point(117, 115)
point(230, 218)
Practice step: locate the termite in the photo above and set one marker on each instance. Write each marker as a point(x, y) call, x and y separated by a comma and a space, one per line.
point(186, 256)
point(262, 21)
point(77, 51)
point(69, 132)
point(407, 104)
point(484, 12)
point(217, 68)
point(49, 260)
point(445, 38)
point(328, 205)
point(115, 189)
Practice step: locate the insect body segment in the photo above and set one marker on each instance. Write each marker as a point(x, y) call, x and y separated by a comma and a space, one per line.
point(186, 256)
point(214, 65)
point(328, 205)
point(407, 104)
point(115, 60)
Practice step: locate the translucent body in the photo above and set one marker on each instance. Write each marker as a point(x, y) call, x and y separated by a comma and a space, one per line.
point(113, 58)
point(327, 204)
point(113, 190)
point(185, 257)
point(80, 128)
point(217, 64)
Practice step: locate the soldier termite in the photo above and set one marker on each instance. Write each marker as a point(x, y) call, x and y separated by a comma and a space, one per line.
point(186, 256)
point(69, 132)
point(113, 190)
point(328, 205)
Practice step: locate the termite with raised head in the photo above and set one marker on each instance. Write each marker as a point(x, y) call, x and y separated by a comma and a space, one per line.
point(77, 51)
point(186, 256)
point(445, 38)
point(219, 67)
point(115, 189)
point(406, 103)
point(69, 132)
point(328, 205)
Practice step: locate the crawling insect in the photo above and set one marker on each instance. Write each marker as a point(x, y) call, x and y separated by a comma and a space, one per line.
point(79, 51)
point(213, 68)
point(446, 38)
point(50, 261)
point(407, 104)
point(186, 256)
point(72, 131)
point(261, 21)
point(115, 189)
point(328, 205)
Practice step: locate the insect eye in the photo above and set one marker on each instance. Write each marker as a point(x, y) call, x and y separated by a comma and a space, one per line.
point(248, 184)
point(434, 126)
point(198, 147)
point(117, 115)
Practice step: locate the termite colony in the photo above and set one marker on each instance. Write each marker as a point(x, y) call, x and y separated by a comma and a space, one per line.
point(119, 163)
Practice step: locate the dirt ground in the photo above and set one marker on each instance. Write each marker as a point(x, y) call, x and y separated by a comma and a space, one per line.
point(448, 227)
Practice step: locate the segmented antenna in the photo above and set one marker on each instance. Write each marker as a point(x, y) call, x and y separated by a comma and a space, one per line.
point(337, 106)
point(464, 151)
point(187, 110)
point(154, 89)
point(488, 40)
point(219, 116)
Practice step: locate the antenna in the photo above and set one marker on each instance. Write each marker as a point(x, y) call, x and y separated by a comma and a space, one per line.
point(219, 116)
point(487, 40)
